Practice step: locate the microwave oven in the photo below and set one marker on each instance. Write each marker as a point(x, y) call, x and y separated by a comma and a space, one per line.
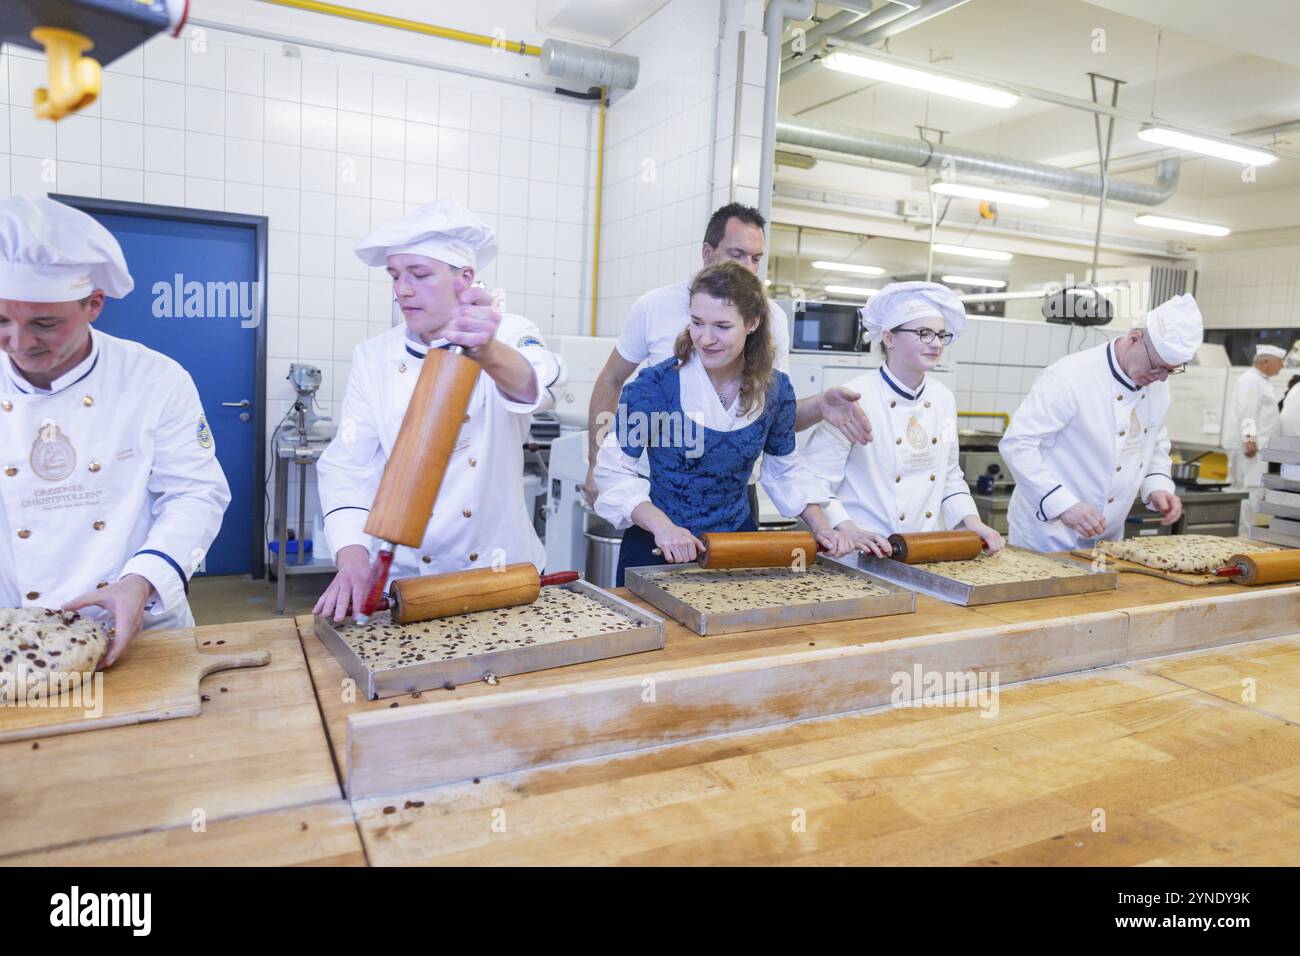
point(827, 327)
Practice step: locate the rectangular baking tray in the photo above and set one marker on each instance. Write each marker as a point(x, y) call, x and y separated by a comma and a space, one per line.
point(381, 682)
point(970, 595)
point(641, 582)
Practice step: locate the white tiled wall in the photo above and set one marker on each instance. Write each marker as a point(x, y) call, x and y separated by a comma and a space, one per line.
point(326, 146)
point(998, 360)
point(1250, 288)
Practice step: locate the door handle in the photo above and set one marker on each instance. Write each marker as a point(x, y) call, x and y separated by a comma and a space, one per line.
point(243, 403)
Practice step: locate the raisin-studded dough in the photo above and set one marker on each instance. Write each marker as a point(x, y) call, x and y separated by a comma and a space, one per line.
point(1008, 566)
point(1187, 553)
point(747, 589)
point(37, 642)
point(558, 614)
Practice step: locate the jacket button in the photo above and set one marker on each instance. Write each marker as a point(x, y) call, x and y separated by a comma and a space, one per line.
point(473, 462)
point(94, 466)
point(934, 441)
point(11, 471)
point(1118, 467)
point(1121, 434)
point(473, 555)
point(24, 533)
point(467, 513)
point(929, 515)
point(426, 559)
point(98, 526)
point(7, 406)
point(902, 517)
point(932, 477)
point(1119, 398)
point(898, 479)
point(926, 403)
point(87, 401)
point(1110, 501)
point(33, 595)
point(101, 584)
point(893, 404)
point(401, 367)
point(898, 441)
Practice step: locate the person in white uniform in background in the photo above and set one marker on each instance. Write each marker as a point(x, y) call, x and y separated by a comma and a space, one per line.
point(1090, 435)
point(909, 477)
point(734, 234)
point(481, 518)
point(1252, 421)
point(110, 490)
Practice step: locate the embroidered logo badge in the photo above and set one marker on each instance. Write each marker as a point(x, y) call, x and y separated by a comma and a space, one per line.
point(204, 433)
point(916, 435)
point(528, 340)
point(53, 457)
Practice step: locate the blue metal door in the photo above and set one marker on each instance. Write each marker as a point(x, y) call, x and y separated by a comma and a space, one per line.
point(198, 299)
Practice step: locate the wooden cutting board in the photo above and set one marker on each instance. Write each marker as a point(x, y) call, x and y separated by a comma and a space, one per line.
point(156, 679)
point(1181, 577)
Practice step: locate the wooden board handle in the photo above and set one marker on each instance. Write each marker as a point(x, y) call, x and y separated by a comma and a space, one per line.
point(462, 592)
point(1266, 567)
point(922, 547)
point(757, 549)
point(430, 427)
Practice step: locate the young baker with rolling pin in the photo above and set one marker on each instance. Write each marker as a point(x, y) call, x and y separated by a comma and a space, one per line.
point(909, 478)
point(480, 518)
point(704, 416)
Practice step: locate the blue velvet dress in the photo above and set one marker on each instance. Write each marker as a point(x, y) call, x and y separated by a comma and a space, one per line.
point(702, 486)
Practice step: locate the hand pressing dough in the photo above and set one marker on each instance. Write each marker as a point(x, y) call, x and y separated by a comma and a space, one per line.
point(748, 589)
point(557, 615)
point(1008, 566)
point(1186, 553)
point(37, 642)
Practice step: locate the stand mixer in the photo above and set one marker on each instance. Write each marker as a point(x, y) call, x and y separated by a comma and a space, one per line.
point(306, 419)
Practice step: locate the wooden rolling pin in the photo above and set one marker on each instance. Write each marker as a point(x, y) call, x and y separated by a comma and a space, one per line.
point(414, 472)
point(755, 549)
point(922, 547)
point(460, 592)
point(1263, 567)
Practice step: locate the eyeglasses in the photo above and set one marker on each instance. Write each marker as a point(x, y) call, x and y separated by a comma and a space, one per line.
point(1179, 370)
point(929, 335)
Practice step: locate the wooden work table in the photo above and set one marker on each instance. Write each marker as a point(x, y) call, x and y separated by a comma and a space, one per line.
point(267, 760)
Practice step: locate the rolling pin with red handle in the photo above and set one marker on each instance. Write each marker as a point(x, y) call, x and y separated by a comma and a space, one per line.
point(922, 547)
point(1264, 567)
point(462, 592)
point(414, 472)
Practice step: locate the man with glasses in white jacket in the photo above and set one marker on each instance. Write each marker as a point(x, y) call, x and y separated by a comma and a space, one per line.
point(1090, 435)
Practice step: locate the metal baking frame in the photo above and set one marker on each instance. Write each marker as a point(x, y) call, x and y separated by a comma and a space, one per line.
point(640, 581)
point(970, 595)
point(428, 675)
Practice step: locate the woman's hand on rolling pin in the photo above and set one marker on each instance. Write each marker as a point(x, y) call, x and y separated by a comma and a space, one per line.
point(867, 541)
point(836, 542)
point(474, 321)
point(348, 589)
point(678, 545)
point(992, 540)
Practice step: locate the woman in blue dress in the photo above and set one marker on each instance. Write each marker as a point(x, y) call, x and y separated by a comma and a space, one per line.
point(703, 417)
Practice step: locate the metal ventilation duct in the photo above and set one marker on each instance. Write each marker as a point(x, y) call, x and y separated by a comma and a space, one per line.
point(592, 65)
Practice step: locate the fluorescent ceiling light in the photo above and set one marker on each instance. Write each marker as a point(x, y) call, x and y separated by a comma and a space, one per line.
point(1002, 296)
point(874, 69)
point(847, 267)
point(988, 194)
point(1208, 146)
point(1181, 225)
point(970, 253)
point(851, 290)
point(974, 281)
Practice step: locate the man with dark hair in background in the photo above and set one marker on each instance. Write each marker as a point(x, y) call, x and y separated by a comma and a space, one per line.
point(734, 233)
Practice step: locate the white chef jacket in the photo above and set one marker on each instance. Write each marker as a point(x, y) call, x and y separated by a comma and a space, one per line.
point(111, 471)
point(1085, 432)
point(1253, 400)
point(1289, 418)
point(909, 477)
point(662, 314)
point(623, 484)
point(480, 518)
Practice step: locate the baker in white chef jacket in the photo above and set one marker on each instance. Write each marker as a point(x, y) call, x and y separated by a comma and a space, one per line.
point(908, 478)
point(1090, 435)
point(1252, 420)
point(110, 490)
point(481, 518)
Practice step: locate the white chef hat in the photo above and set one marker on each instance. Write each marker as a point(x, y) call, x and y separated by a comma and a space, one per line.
point(900, 302)
point(1175, 329)
point(1270, 350)
point(443, 230)
point(50, 252)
